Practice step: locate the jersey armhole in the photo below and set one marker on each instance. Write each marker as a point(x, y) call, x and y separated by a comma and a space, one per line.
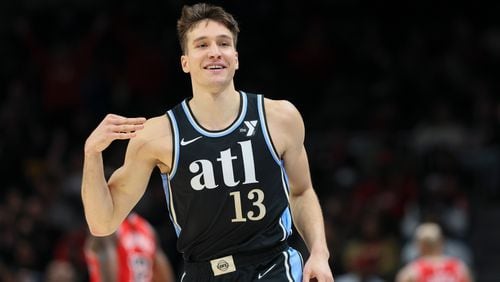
point(265, 131)
point(175, 144)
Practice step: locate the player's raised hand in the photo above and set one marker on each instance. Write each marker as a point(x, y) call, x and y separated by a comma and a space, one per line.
point(111, 128)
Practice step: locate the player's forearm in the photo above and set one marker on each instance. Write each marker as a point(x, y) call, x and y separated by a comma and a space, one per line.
point(308, 220)
point(96, 197)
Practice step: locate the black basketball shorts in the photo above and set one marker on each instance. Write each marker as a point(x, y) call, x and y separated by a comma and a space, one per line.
point(278, 264)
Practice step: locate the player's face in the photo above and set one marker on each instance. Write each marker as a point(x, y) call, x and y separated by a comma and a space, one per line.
point(211, 57)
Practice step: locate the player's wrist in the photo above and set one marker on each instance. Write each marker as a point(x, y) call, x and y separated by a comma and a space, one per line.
point(91, 151)
point(320, 251)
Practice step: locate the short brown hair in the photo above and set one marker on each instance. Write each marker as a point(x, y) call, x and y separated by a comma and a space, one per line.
point(191, 15)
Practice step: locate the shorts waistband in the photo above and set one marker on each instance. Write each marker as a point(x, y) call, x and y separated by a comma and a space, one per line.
point(241, 259)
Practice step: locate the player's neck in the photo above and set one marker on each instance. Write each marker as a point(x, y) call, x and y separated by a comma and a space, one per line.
point(215, 110)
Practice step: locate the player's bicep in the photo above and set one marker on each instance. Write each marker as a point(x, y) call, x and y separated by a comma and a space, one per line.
point(295, 155)
point(297, 168)
point(128, 183)
point(287, 133)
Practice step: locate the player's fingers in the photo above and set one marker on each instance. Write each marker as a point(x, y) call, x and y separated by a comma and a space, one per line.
point(139, 120)
point(124, 135)
point(127, 128)
point(124, 120)
point(113, 117)
point(306, 276)
point(118, 119)
point(322, 278)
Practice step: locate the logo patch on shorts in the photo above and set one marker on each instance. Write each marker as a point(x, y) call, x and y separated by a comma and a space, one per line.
point(223, 265)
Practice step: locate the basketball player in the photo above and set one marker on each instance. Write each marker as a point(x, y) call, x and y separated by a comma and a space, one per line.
point(233, 164)
point(432, 265)
point(132, 253)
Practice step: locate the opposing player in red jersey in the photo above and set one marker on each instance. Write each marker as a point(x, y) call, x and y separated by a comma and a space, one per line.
point(433, 265)
point(131, 254)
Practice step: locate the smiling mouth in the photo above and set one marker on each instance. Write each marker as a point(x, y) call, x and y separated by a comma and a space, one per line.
point(214, 67)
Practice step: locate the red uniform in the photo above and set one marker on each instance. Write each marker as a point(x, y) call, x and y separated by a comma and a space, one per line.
point(135, 251)
point(445, 270)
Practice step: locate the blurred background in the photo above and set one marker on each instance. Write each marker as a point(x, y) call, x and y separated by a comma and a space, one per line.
point(400, 102)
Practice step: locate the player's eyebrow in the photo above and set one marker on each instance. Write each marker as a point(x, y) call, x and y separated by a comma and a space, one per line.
point(222, 36)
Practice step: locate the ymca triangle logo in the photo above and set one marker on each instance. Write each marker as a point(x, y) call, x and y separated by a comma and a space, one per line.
point(249, 128)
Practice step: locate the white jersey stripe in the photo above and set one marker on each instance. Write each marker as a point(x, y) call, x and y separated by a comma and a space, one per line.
point(284, 182)
point(285, 232)
point(287, 267)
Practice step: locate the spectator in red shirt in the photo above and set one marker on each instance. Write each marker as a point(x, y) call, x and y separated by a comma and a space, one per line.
point(433, 265)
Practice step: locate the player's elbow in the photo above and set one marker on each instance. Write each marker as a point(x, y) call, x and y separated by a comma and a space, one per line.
point(98, 230)
point(100, 225)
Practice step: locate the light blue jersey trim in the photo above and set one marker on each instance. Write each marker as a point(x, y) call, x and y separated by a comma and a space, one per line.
point(170, 203)
point(265, 132)
point(284, 181)
point(176, 150)
point(286, 223)
point(228, 130)
point(293, 265)
point(166, 178)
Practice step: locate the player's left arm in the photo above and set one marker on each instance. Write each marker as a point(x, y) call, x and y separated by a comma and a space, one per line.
point(288, 133)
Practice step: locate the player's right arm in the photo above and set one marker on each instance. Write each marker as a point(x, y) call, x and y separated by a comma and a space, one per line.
point(107, 203)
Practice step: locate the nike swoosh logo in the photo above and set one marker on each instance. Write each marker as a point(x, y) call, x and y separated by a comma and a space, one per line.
point(267, 271)
point(184, 143)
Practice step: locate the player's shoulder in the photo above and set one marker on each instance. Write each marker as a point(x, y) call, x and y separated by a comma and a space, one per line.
point(281, 105)
point(160, 120)
point(153, 144)
point(283, 110)
point(153, 139)
point(155, 127)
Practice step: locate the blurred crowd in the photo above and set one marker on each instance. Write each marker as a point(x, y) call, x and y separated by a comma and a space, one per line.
point(400, 105)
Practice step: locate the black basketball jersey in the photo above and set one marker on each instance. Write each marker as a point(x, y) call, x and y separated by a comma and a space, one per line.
point(227, 191)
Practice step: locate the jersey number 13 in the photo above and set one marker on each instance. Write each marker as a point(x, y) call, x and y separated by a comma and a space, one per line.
point(257, 198)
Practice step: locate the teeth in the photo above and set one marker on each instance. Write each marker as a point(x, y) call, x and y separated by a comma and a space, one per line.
point(214, 67)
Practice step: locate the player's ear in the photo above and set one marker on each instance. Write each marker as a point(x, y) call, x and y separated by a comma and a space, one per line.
point(184, 64)
point(237, 61)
